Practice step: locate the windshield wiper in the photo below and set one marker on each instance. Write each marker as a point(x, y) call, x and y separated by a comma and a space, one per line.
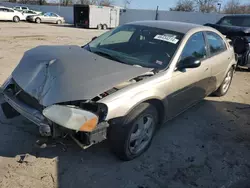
point(109, 56)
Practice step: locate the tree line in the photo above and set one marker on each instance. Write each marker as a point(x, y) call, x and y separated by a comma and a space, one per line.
point(208, 6)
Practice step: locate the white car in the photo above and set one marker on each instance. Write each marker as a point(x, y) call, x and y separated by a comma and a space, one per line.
point(9, 14)
point(29, 13)
point(20, 8)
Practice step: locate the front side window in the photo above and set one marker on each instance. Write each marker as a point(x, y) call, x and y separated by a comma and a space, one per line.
point(138, 45)
point(195, 47)
point(9, 10)
point(215, 42)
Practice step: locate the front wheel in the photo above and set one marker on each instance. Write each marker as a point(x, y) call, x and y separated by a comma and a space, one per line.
point(38, 20)
point(133, 137)
point(223, 89)
point(16, 19)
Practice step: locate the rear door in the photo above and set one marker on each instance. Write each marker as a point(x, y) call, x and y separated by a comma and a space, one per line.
point(53, 18)
point(191, 84)
point(2, 14)
point(219, 57)
point(9, 14)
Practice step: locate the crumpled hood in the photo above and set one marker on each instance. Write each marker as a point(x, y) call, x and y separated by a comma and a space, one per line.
point(54, 74)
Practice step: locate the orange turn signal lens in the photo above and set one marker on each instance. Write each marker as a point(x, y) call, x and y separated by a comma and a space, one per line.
point(89, 125)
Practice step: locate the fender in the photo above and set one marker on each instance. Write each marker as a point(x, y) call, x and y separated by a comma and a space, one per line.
point(121, 106)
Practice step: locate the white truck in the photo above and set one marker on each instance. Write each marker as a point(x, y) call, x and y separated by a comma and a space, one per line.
point(100, 17)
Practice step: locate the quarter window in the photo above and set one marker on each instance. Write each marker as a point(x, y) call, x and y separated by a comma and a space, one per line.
point(195, 47)
point(215, 42)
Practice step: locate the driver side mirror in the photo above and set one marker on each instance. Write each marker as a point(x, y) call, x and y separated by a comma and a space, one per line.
point(188, 62)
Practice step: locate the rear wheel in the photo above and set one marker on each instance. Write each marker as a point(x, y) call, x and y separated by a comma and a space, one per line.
point(38, 20)
point(223, 89)
point(16, 19)
point(99, 27)
point(133, 137)
point(59, 22)
point(105, 27)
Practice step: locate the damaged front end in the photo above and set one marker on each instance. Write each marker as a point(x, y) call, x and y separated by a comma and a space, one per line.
point(84, 121)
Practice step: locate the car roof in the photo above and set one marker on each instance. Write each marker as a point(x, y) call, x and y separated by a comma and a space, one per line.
point(180, 27)
point(237, 15)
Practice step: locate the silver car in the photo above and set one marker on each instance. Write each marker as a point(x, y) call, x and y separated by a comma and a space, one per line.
point(46, 17)
point(122, 85)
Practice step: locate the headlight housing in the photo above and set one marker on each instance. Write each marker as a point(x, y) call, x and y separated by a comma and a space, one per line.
point(71, 117)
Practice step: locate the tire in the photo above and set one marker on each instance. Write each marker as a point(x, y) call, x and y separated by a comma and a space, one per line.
point(38, 20)
point(127, 139)
point(223, 89)
point(105, 27)
point(16, 19)
point(59, 22)
point(99, 27)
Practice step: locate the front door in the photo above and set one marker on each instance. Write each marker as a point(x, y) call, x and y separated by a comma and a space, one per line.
point(46, 17)
point(190, 84)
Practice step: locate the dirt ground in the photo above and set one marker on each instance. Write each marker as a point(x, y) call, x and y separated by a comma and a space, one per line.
point(207, 146)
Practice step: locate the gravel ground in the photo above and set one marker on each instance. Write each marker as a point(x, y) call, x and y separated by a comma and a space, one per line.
point(207, 146)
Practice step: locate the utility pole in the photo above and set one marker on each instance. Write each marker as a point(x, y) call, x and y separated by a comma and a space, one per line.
point(219, 4)
point(156, 15)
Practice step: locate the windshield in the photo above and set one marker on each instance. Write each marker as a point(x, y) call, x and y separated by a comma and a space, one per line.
point(138, 45)
point(242, 21)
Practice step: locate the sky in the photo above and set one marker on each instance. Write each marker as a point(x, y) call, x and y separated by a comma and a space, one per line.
point(163, 4)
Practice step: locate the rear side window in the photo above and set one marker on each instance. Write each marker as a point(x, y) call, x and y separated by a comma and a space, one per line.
point(54, 15)
point(215, 42)
point(195, 47)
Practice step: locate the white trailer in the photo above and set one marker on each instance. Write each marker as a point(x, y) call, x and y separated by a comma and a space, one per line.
point(100, 17)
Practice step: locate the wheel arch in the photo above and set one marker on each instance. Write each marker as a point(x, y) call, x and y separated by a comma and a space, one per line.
point(157, 103)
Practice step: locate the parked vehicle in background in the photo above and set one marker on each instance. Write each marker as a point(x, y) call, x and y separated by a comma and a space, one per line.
point(46, 17)
point(8, 14)
point(20, 8)
point(29, 13)
point(100, 17)
point(121, 85)
point(237, 28)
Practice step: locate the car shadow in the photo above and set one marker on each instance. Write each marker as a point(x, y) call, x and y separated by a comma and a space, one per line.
point(207, 146)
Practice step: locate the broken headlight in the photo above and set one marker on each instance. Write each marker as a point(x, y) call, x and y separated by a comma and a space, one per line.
point(71, 117)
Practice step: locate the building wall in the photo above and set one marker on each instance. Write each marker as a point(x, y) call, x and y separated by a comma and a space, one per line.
point(191, 17)
point(130, 15)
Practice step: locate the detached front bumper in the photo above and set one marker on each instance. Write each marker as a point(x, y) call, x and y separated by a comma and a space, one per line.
point(48, 128)
point(31, 114)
